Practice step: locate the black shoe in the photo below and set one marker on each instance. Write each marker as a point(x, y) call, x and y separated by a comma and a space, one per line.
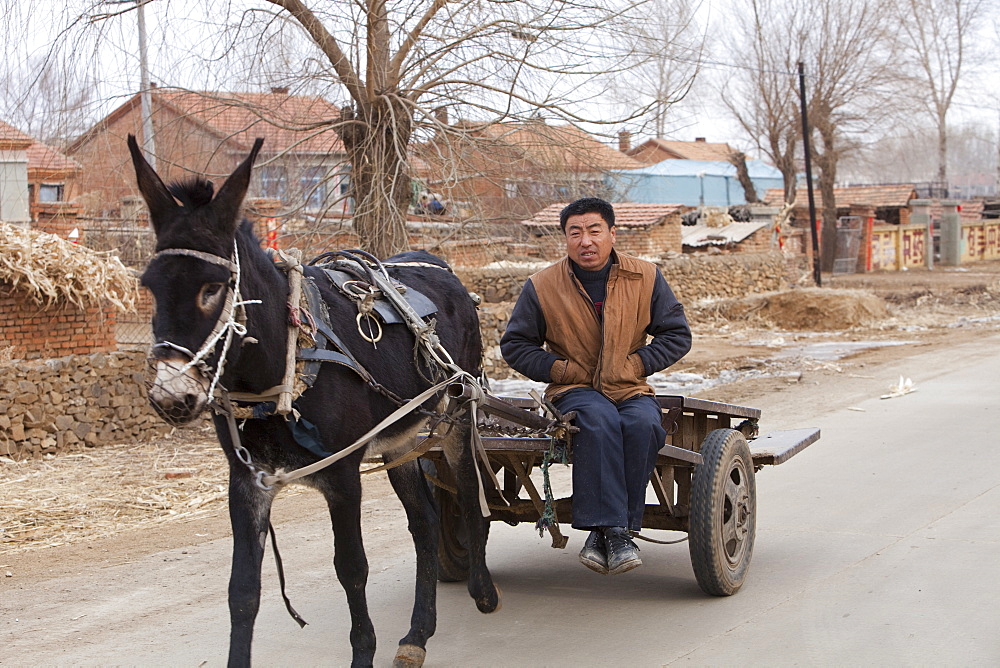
point(592, 555)
point(623, 555)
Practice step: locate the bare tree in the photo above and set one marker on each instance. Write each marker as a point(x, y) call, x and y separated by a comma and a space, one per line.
point(934, 40)
point(666, 49)
point(851, 59)
point(48, 98)
point(848, 59)
point(391, 63)
point(762, 96)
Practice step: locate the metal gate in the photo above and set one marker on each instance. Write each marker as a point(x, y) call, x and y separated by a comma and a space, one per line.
point(849, 233)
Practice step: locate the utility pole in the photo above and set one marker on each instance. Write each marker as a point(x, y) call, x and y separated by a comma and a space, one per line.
point(145, 95)
point(817, 276)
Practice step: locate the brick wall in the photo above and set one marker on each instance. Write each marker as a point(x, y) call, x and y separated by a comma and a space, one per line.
point(29, 331)
point(58, 218)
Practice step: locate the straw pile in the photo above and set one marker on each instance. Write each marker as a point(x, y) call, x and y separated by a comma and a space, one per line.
point(73, 497)
point(51, 270)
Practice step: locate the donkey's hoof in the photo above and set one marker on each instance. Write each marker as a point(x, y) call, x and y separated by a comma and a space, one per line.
point(487, 606)
point(409, 656)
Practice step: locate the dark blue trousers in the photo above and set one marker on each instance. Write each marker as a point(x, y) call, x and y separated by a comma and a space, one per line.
point(613, 456)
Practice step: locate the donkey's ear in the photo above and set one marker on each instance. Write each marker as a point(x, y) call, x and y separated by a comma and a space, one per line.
point(159, 200)
point(229, 199)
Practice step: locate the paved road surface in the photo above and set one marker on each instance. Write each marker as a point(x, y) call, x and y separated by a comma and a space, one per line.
point(877, 545)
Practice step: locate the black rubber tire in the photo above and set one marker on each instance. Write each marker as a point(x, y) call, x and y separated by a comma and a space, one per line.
point(723, 521)
point(453, 553)
point(453, 535)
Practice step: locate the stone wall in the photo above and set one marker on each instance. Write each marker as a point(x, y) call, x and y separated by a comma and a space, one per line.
point(697, 277)
point(692, 277)
point(68, 403)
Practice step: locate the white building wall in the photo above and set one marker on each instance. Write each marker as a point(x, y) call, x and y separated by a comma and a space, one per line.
point(14, 186)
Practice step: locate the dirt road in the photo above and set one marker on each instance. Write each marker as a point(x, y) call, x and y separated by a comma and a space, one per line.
point(57, 600)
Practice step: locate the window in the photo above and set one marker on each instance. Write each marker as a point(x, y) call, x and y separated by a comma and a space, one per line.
point(274, 181)
point(314, 187)
point(50, 192)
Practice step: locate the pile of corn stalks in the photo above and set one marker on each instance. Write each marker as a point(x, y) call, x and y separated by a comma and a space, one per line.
point(52, 270)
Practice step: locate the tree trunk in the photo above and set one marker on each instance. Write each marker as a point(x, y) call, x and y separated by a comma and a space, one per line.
point(375, 138)
point(942, 174)
point(827, 163)
point(738, 160)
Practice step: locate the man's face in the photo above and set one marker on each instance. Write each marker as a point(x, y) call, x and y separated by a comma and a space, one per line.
point(589, 240)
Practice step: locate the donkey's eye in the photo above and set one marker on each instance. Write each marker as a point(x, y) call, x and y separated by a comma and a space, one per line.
point(210, 295)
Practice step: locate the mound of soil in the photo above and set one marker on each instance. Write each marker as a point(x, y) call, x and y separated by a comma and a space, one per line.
point(812, 309)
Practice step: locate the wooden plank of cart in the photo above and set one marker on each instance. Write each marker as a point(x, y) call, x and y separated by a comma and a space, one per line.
point(703, 480)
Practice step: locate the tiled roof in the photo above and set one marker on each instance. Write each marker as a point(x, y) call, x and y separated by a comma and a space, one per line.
point(46, 158)
point(627, 214)
point(688, 150)
point(12, 138)
point(298, 123)
point(560, 147)
point(897, 195)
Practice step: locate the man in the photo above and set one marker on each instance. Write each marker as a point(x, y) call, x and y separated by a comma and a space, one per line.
point(582, 325)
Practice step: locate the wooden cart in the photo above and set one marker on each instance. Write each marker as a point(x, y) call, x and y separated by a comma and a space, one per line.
point(703, 481)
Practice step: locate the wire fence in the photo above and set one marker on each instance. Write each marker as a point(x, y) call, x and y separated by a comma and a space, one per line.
point(134, 243)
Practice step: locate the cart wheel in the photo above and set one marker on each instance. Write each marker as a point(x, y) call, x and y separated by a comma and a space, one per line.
point(453, 553)
point(453, 538)
point(723, 513)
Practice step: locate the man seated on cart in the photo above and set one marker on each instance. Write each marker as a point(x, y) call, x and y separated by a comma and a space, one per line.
point(583, 325)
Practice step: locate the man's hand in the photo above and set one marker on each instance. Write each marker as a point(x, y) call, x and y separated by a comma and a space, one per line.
point(636, 364)
point(568, 372)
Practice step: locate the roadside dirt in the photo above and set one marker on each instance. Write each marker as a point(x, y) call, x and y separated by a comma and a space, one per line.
point(771, 364)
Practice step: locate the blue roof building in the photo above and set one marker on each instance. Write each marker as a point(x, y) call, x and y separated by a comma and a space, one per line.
point(691, 182)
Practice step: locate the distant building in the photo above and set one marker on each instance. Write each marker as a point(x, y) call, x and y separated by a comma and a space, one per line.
point(14, 146)
point(642, 229)
point(506, 172)
point(302, 164)
point(693, 182)
point(52, 177)
point(891, 203)
point(653, 151)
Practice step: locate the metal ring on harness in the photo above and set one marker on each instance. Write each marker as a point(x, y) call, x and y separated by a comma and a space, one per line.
point(374, 338)
point(358, 289)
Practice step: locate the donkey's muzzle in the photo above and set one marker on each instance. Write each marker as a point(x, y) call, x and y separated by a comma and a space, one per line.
point(177, 394)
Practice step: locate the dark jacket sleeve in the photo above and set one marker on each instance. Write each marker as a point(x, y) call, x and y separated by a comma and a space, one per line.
point(669, 328)
point(522, 341)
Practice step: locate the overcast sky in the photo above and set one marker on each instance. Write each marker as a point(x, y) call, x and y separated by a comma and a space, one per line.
point(109, 50)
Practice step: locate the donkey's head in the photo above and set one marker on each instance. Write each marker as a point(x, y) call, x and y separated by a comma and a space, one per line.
point(193, 280)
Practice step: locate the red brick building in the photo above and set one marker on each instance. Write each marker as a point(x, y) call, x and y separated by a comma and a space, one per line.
point(505, 172)
point(302, 162)
point(52, 178)
point(890, 202)
point(653, 151)
point(648, 230)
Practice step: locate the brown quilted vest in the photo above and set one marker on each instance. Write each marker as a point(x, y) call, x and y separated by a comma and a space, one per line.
point(600, 355)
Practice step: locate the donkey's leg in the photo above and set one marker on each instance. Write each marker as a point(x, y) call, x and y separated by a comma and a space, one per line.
point(343, 497)
point(249, 510)
point(462, 459)
point(412, 490)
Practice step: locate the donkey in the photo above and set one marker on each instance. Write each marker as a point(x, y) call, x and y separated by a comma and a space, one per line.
point(208, 258)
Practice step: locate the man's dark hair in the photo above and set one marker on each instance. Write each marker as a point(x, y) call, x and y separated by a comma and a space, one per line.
point(587, 205)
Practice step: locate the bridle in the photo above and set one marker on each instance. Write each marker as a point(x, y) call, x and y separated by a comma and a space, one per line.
point(231, 321)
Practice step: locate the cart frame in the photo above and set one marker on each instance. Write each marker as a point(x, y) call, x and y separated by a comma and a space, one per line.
point(703, 480)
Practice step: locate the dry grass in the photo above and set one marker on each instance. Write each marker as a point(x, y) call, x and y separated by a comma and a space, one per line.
point(51, 270)
point(101, 492)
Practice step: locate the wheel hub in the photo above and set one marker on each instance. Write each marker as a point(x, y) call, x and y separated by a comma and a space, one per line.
point(737, 514)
